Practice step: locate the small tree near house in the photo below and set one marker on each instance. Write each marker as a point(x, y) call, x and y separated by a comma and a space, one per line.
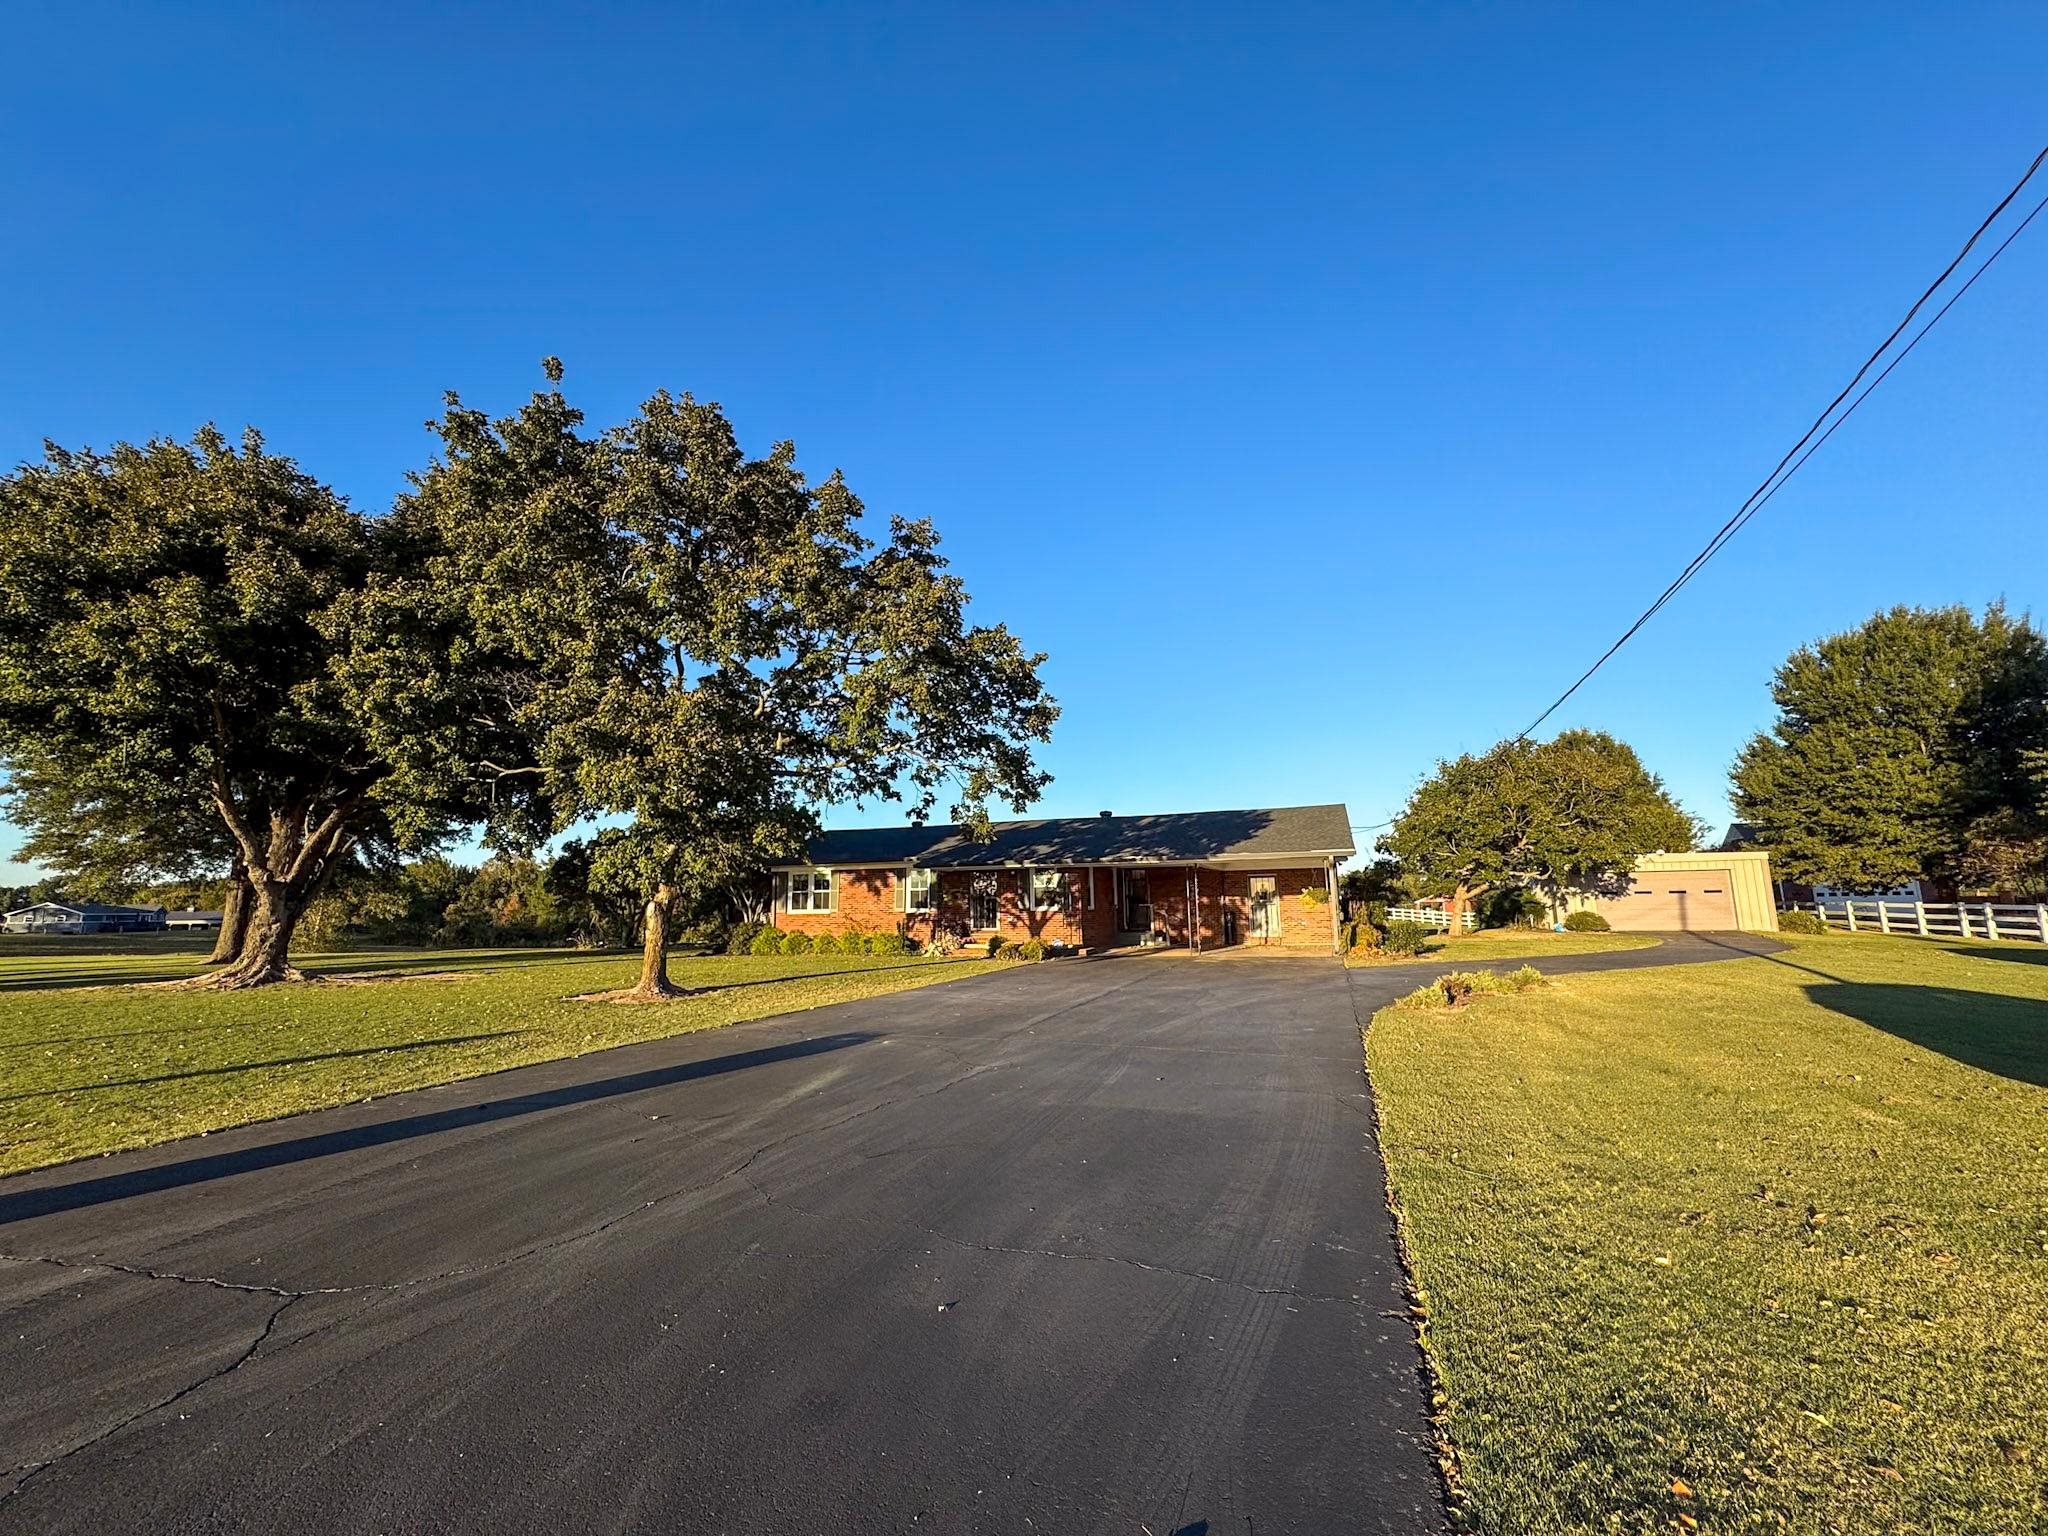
point(1575, 812)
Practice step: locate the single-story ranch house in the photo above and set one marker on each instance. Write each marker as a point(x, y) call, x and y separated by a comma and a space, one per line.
point(1199, 879)
point(82, 917)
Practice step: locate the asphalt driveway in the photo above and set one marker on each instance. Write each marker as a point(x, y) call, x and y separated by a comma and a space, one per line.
point(1081, 1247)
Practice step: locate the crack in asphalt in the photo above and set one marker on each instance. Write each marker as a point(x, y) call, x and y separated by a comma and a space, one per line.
point(141, 1272)
point(36, 1470)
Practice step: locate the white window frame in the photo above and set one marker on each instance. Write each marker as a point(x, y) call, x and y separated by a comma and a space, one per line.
point(811, 892)
point(930, 879)
point(1031, 901)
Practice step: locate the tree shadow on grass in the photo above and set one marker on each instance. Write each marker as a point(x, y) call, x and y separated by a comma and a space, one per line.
point(2026, 954)
point(2007, 1036)
point(230, 1068)
point(23, 1204)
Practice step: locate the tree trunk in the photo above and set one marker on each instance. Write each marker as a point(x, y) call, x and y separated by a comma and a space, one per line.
point(654, 980)
point(1454, 909)
point(272, 915)
point(234, 917)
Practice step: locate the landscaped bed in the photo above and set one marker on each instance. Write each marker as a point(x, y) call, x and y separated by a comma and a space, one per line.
point(88, 1071)
point(1507, 944)
point(1760, 1245)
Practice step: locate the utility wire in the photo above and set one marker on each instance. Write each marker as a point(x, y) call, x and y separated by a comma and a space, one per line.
point(1810, 441)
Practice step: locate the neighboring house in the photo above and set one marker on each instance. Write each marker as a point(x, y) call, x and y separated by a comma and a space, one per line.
point(1794, 893)
point(1202, 879)
point(185, 920)
point(82, 917)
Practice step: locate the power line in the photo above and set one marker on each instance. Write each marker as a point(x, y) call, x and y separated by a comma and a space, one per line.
point(1809, 442)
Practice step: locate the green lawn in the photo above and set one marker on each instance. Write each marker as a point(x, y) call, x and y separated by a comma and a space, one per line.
point(1774, 1231)
point(1512, 944)
point(88, 1065)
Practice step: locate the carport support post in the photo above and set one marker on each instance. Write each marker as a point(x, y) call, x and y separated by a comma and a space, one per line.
point(1336, 927)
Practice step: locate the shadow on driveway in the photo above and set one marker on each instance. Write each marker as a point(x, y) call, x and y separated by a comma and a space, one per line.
point(49, 1199)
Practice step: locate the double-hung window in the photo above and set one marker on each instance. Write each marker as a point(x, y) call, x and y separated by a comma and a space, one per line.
point(810, 890)
point(1048, 890)
point(921, 891)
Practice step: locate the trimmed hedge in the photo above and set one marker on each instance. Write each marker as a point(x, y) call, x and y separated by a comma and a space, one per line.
point(1801, 922)
point(1587, 922)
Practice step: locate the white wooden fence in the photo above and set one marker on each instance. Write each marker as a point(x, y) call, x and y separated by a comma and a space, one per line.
point(1943, 919)
point(1431, 917)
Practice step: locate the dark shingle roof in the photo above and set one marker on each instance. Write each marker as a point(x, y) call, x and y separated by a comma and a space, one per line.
point(1172, 837)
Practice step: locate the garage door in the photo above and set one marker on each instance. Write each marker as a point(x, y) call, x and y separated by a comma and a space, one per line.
point(1666, 901)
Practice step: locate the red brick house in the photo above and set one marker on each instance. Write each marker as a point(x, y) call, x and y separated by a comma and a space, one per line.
point(1201, 879)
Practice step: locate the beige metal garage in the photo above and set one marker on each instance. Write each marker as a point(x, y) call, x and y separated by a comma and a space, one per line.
point(1710, 892)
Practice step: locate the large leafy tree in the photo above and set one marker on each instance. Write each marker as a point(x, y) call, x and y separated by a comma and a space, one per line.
point(1575, 812)
point(1905, 748)
point(191, 619)
point(717, 648)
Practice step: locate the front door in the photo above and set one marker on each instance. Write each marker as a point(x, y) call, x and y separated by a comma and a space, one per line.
point(1265, 905)
point(1134, 900)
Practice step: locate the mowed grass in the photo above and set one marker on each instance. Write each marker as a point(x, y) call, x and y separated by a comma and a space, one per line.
point(1511, 944)
point(89, 1064)
point(1770, 1232)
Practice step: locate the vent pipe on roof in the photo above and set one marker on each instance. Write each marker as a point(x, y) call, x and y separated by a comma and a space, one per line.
point(1105, 815)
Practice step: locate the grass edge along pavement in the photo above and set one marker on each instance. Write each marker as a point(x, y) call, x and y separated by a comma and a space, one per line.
point(1491, 944)
point(1756, 1245)
point(89, 1065)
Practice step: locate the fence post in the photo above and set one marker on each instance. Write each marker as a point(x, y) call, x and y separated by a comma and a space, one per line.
point(1884, 916)
point(2041, 924)
point(1963, 918)
point(1850, 908)
point(1990, 922)
point(1920, 917)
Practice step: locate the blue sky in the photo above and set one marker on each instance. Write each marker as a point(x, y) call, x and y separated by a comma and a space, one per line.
point(1321, 387)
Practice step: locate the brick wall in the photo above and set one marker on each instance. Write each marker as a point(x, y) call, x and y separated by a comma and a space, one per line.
point(1304, 924)
point(867, 900)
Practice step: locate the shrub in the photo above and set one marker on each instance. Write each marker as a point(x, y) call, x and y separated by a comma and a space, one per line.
point(1360, 934)
point(888, 944)
point(1802, 922)
point(767, 942)
point(1314, 895)
point(995, 946)
point(1404, 937)
point(798, 944)
point(1514, 906)
point(1455, 988)
point(741, 940)
point(825, 944)
point(1033, 949)
point(1586, 922)
point(1008, 949)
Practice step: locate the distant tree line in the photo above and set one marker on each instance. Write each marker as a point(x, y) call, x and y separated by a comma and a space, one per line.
point(212, 666)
